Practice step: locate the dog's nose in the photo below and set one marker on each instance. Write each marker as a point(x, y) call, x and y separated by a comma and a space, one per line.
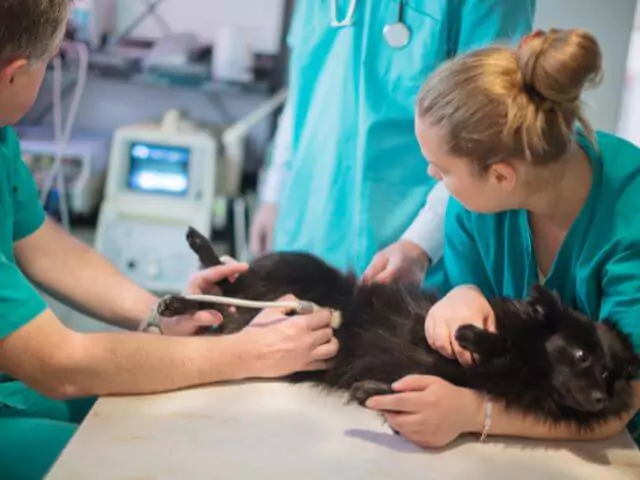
point(598, 398)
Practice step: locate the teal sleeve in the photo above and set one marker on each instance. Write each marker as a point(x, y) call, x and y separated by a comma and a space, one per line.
point(620, 302)
point(19, 301)
point(28, 214)
point(30, 447)
point(484, 22)
point(462, 261)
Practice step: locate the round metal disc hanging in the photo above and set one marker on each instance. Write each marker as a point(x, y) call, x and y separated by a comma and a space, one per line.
point(397, 35)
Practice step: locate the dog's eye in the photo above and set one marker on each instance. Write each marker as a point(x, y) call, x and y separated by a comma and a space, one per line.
point(582, 357)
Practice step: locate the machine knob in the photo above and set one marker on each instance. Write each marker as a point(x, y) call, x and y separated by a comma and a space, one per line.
point(153, 268)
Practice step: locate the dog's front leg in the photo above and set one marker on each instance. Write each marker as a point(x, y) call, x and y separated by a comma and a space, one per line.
point(480, 342)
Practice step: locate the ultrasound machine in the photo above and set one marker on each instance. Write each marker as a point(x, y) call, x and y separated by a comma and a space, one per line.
point(161, 180)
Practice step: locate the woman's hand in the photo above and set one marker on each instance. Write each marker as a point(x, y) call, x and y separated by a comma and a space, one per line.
point(404, 261)
point(203, 282)
point(285, 345)
point(463, 305)
point(429, 411)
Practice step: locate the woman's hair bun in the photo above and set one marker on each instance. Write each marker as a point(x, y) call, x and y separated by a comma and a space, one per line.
point(557, 65)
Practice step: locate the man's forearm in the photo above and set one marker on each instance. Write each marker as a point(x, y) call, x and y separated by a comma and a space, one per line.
point(513, 424)
point(106, 293)
point(101, 364)
point(75, 273)
point(128, 363)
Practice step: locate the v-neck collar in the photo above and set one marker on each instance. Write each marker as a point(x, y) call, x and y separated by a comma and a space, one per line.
point(3, 137)
point(576, 229)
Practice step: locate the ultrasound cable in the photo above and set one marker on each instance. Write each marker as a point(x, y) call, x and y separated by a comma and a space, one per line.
point(299, 307)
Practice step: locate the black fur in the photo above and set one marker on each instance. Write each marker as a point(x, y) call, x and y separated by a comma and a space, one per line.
point(545, 359)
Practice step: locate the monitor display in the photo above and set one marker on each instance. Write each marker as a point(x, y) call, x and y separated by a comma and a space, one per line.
point(159, 169)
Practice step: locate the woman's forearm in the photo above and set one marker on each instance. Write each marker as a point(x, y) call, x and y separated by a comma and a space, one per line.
point(513, 424)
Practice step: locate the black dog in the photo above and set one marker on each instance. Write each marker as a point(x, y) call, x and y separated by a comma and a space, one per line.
point(546, 359)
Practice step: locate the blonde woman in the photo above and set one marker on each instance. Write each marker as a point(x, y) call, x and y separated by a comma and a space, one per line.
point(535, 200)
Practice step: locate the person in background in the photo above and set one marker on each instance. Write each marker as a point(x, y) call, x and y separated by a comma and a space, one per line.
point(535, 200)
point(51, 374)
point(347, 178)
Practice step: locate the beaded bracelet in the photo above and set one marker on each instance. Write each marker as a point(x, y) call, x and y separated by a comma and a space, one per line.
point(488, 415)
point(151, 324)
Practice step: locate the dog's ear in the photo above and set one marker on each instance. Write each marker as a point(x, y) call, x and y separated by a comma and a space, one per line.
point(546, 304)
point(545, 297)
point(542, 292)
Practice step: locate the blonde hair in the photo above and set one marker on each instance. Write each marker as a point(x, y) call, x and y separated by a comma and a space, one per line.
point(498, 104)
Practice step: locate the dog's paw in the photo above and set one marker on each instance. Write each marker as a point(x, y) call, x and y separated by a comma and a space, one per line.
point(173, 306)
point(469, 337)
point(196, 240)
point(361, 391)
point(201, 246)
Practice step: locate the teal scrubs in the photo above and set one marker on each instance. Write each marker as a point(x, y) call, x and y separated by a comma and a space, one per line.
point(356, 178)
point(597, 269)
point(34, 429)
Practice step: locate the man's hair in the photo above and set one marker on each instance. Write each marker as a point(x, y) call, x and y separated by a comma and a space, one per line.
point(30, 28)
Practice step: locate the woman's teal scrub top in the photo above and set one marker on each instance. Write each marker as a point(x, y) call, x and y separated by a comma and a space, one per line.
point(597, 269)
point(356, 179)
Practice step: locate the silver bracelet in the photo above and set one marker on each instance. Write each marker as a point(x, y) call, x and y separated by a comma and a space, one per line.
point(151, 324)
point(488, 416)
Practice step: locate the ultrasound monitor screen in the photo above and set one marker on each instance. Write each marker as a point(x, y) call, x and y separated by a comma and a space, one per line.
point(159, 169)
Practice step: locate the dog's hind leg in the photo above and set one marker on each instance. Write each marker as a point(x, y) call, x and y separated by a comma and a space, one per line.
point(174, 305)
point(360, 392)
point(208, 257)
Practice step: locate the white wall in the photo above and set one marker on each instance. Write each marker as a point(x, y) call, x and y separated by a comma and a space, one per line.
point(611, 21)
point(260, 19)
point(630, 112)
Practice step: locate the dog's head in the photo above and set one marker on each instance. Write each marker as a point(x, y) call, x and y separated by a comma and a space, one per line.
point(588, 363)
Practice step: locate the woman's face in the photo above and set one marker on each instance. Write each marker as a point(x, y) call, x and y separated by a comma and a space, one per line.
point(489, 192)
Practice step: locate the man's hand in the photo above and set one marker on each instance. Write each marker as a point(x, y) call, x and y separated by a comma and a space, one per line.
point(404, 261)
point(203, 283)
point(286, 345)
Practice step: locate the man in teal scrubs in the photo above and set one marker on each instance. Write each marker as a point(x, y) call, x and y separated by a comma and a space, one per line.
point(49, 374)
point(348, 178)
